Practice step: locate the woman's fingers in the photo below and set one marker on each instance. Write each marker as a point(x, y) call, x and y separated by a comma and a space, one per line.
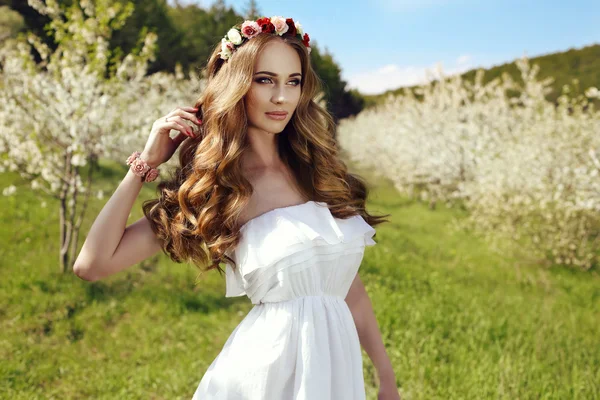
point(176, 123)
point(191, 109)
point(185, 113)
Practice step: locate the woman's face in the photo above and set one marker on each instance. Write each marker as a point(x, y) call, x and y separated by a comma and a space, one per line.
point(275, 87)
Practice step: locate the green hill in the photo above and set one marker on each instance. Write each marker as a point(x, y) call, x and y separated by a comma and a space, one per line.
point(582, 64)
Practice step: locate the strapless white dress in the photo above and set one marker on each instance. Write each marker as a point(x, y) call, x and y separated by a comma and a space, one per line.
point(299, 341)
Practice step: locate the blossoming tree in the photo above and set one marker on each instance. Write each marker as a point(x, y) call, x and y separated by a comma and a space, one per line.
point(61, 115)
point(527, 170)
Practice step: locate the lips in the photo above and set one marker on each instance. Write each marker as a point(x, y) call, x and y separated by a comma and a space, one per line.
point(280, 113)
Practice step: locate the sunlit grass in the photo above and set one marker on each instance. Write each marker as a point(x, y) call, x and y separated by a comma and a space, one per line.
point(459, 321)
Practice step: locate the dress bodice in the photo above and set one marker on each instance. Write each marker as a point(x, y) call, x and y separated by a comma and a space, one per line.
point(299, 250)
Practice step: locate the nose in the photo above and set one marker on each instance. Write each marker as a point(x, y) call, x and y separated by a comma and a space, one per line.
point(278, 96)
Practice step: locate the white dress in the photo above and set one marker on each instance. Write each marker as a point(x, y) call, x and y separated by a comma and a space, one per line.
point(299, 341)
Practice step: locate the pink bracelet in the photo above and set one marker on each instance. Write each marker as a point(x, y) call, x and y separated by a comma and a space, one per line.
point(141, 168)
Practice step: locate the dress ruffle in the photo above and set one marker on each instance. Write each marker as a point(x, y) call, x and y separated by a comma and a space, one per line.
point(289, 237)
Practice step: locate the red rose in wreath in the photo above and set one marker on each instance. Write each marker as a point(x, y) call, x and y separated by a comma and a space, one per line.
point(266, 25)
point(291, 27)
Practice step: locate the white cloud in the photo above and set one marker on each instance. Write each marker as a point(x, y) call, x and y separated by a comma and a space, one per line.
point(464, 59)
point(394, 76)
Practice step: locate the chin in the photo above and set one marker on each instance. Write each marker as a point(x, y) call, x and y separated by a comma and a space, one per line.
point(270, 126)
point(274, 132)
point(276, 127)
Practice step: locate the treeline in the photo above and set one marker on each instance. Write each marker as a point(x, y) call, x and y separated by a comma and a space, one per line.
point(582, 65)
point(186, 36)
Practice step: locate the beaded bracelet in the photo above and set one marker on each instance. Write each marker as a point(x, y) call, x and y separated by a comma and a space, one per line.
point(141, 168)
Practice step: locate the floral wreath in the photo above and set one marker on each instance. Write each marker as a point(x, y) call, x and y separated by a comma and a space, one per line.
point(241, 33)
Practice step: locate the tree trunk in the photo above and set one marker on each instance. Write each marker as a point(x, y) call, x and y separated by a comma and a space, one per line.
point(92, 163)
point(65, 226)
point(62, 256)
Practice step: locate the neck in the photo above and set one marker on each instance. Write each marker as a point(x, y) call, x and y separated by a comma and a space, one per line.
point(263, 149)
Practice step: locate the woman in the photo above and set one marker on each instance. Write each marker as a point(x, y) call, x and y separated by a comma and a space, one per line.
point(261, 188)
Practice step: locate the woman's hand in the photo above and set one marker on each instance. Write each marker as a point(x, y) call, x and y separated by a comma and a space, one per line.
point(160, 146)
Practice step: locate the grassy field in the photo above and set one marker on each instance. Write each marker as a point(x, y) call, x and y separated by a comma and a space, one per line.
point(459, 321)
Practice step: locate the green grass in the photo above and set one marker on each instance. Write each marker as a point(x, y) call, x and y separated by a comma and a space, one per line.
point(459, 321)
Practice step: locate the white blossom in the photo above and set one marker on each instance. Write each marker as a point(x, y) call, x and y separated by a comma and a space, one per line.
point(9, 190)
point(522, 167)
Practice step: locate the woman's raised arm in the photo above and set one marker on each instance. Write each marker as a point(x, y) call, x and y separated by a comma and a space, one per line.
point(110, 246)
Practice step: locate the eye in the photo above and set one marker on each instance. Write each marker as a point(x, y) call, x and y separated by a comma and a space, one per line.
point(259, 80)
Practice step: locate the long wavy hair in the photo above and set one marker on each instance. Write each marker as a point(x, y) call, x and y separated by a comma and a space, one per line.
point(196, 215)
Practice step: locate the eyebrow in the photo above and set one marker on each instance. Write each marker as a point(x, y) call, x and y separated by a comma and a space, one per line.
point(274, 74)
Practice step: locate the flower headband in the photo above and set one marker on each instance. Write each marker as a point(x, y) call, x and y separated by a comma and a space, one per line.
point(240, 34)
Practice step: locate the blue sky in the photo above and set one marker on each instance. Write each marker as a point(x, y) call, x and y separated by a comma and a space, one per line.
point(385, 44)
